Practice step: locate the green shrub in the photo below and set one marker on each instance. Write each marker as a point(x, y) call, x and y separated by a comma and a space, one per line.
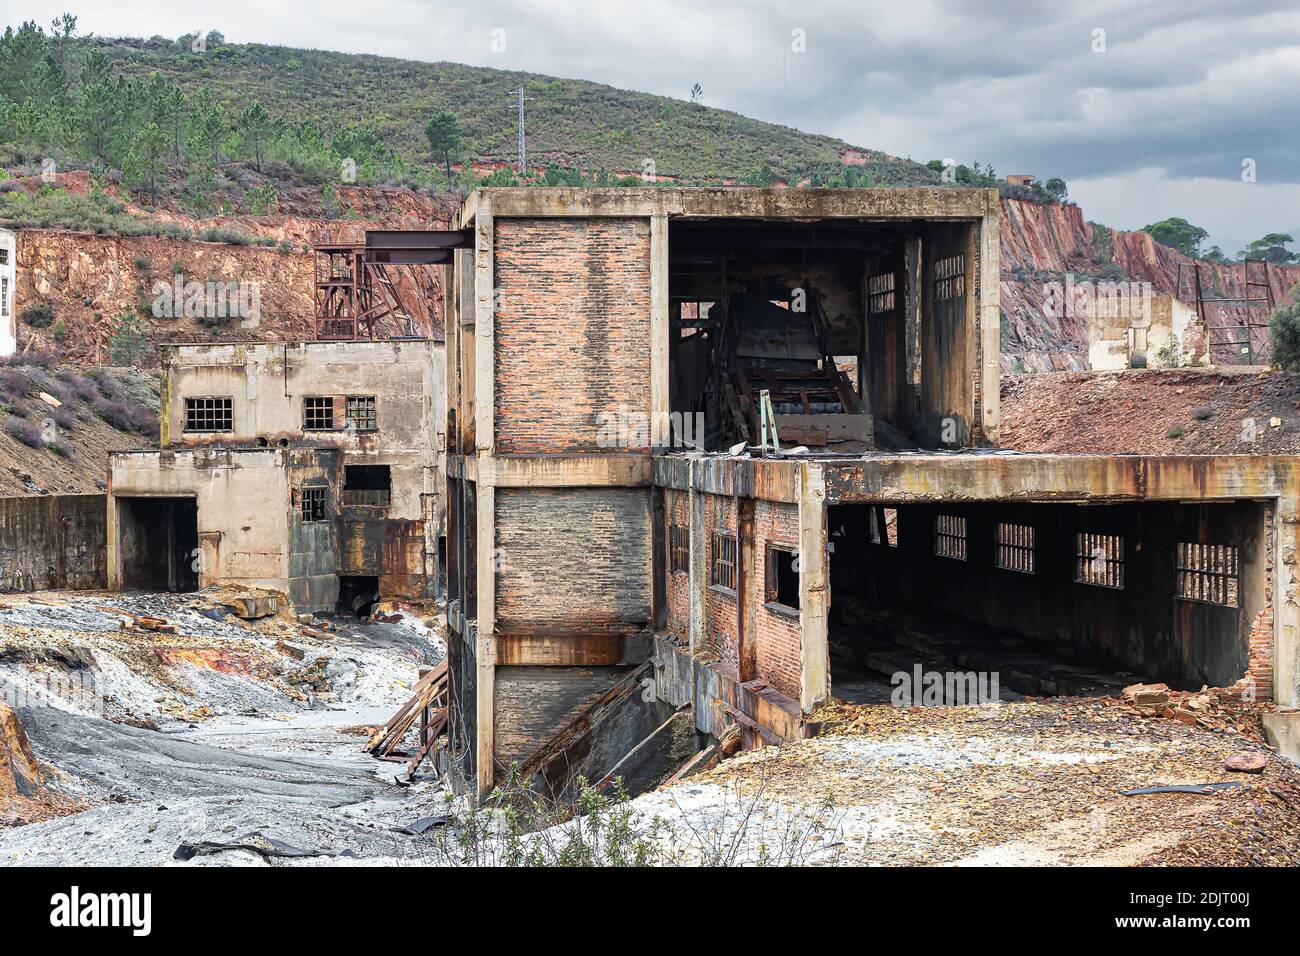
point(1174, 432)
point(38, 316)
point(1284, 336)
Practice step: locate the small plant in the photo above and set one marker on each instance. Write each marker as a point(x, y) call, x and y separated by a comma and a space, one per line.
point(144, 264)
point(23, 431)
point(59, 330)
point(1175, 432)
point(38, 316)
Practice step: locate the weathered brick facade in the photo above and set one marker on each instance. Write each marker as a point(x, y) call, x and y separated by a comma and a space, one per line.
point(1258, 682)
point(677, 583)
point(776, 633)
point(720, 637)
point(572, 334)
point(567, 559)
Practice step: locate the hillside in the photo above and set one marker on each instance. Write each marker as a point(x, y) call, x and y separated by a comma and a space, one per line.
point(374, 109)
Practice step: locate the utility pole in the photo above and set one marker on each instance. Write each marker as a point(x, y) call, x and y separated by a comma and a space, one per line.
point(523, 153)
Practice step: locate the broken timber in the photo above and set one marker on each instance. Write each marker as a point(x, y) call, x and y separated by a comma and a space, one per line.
point(428, 701)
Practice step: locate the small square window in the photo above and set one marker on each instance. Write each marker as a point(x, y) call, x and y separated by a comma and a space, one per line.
point(209, 414)
point(783, 576)
point(1099, 559)
point(950, 277)
point(361, 413)
point(722, 566)
point(1207, 573)
point(318, 413)
point(1015, 547)
point(679, 548)
point(950, 537)
point(313, 503)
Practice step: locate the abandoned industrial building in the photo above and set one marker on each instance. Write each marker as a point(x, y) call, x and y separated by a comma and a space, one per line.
point(309, 468)
point(744, 581)
point(686, 465)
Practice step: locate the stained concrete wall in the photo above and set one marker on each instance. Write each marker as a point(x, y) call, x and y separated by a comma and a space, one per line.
point(53, 542)
point(268, 382)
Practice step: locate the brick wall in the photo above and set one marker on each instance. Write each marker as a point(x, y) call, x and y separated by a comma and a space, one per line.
point(778, 650)
point(719, 607)
point(572, 334)
point(572, 559)
point(1258, 682)
point(678, 586)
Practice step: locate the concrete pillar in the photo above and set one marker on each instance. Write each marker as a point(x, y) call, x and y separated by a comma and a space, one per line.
point(814, 590)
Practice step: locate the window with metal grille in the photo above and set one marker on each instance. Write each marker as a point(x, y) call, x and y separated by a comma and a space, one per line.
point(880, 293)
point(1207, 573)
point(679, 548)
point(782, 584)
point(361, 413)
point(1015, 547)
point(1099, 559)
point(722, 565)
point(318, 413)
point(4, 256)
point(950, 536)
point(313, 502)
point(209, 414)
point(4, 294)
point(950, 277)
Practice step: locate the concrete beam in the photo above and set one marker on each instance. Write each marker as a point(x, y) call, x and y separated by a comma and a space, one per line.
point(864, 204)
point(574, 650)
point(659, 333)
point(576, 471)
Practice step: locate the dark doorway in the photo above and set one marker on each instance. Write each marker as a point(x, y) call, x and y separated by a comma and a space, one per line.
point(158, 543)
point(357, 593)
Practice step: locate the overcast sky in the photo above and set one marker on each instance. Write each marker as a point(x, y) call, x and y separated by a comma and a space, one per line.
point(1148, 109)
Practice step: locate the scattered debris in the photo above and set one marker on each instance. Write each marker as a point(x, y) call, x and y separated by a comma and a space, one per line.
point(254, 843)
point(1202, 788)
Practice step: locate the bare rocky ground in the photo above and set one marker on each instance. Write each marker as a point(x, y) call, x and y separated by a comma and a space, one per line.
point(226, 728)
point(249, 734)
point(1222, 411)
point(1026, 783)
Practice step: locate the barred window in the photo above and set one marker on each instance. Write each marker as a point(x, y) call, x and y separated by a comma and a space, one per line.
point(313, 502)
point(950, 537)
point(722, 566)
point(318, 413)
point(1015, 547)
point(1208, 573)
point(1099, 559)
point(950, 277)
point(209, 414)
point(4, 294)
point(679, 548)
point(361, 413)
point(880, 293)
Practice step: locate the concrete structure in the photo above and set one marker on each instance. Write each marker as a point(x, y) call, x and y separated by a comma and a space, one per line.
point(52, 542)
point(584, 559)
point(8, 285)
point(311, 468)
point(1166, 332)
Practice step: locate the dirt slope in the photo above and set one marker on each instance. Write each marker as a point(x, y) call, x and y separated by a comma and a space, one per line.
point(1225, 412)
